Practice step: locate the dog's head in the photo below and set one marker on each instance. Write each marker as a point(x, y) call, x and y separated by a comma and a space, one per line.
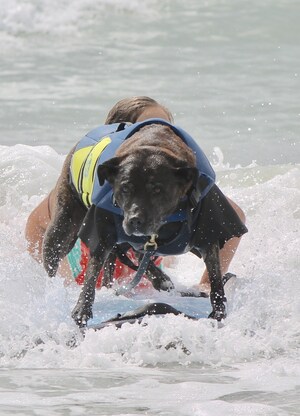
point(148, 184)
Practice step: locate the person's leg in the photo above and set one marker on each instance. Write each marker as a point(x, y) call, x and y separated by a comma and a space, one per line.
point(227, 252)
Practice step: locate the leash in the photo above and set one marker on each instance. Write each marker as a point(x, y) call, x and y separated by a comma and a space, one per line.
point(150, 248)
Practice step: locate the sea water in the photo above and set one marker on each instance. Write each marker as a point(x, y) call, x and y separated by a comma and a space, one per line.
point(229, 71)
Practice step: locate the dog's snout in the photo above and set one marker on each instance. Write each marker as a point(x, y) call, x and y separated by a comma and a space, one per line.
point(136, 222)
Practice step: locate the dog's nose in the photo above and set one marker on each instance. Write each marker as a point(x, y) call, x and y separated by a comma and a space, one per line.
point(135, 222)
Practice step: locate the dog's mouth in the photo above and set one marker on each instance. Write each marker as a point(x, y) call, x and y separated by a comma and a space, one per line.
point(139, 230)
point(139, 234)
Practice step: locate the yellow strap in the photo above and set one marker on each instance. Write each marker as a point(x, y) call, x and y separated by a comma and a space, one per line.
point(78, 160)
point(83, 166)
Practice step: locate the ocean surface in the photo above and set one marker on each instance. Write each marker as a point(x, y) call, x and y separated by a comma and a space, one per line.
point(230, 73)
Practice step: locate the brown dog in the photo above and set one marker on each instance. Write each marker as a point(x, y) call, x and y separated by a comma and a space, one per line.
point(159, 186)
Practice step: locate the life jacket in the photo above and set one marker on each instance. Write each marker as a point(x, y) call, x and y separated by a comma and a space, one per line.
point(100, 145)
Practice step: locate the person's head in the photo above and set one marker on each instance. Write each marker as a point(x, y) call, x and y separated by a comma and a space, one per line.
point(137, 109)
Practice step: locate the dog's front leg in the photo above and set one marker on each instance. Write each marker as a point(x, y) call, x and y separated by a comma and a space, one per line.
point(59, 239)
point(83, 310)
point(217, 295)
point(109, 268)
point(67, 214)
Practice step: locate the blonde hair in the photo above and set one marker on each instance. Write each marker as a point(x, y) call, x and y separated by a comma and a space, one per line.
point(129, 110)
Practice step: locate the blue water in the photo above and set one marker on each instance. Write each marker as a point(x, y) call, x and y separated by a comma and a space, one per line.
point(229, 71)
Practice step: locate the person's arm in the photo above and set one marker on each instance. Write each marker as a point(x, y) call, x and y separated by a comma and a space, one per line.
point(35, 229)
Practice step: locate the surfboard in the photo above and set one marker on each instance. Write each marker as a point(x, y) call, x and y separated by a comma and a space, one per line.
point(118, 310)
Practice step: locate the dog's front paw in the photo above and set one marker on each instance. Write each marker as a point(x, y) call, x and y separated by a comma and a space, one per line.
point(81, 314)
point(218, 314)
point(218, 302)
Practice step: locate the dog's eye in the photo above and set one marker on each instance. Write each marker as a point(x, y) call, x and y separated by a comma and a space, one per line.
point(155, 188)
point(125, 188)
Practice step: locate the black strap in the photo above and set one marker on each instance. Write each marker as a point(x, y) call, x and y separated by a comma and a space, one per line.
point(139, 274)
point(122, 255)
point(150, 248)
point(194, 195)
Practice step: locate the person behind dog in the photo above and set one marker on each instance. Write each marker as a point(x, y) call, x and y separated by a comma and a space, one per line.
point(73, 266)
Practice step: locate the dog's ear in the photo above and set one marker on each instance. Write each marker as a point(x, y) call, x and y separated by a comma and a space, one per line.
point(187, 174)
point(108, 170)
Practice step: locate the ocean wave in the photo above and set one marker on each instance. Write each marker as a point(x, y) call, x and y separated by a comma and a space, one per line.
point(262, 323)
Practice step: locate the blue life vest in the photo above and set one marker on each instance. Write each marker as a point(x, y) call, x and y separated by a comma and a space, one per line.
point(108, 138)
point(102, 196)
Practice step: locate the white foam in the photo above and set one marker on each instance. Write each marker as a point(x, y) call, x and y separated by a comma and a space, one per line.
point(263, 306)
